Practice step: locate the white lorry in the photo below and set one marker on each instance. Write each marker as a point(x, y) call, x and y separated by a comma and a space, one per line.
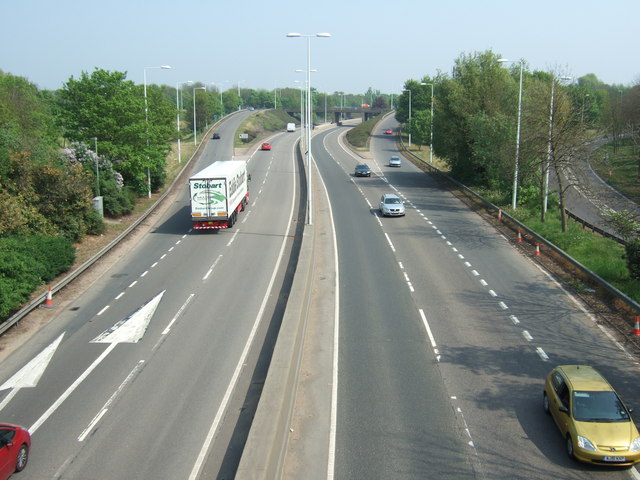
point(291, 127)
point(218, 193)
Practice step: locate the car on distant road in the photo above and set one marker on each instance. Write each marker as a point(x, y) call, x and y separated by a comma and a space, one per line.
point(395, 161)
point(362, 170)
point(391, 205)
point(215, 136)
point(265, 146)
point(596, 425)
point(388, 131)
point(15, 443)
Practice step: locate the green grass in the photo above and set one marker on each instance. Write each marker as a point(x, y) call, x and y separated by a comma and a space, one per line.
point(603, 256)
point(359, 135)
point(620, 168)
point(260, 125)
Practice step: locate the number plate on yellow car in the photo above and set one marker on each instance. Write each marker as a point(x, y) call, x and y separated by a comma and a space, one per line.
point(614, 459)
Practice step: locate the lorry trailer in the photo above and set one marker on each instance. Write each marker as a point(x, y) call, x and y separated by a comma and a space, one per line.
point(218, 193)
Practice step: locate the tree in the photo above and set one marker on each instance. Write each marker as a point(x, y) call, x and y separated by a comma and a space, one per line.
point(110, 108)
point(554, 136)
point(478, 102)
point(420, 127)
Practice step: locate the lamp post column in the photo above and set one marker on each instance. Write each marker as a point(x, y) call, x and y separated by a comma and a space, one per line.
point(195, 141)
point(146, 121)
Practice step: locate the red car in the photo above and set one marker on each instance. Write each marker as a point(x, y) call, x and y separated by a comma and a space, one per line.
point(266, 146)
point(15, 443)
point(388, 131)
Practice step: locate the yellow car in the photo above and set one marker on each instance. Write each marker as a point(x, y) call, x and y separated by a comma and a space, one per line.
point(596, 425)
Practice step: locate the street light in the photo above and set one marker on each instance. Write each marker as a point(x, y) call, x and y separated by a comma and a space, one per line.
point(95, 147)
point(308, 149)
point(545, 192)
point(178, 90)
point(514, 196)
point(431, 129)
point(194, 113)
point(239, 97)
point(307, 124)
point(146, 120)
point(302, 115)
point(409, 90)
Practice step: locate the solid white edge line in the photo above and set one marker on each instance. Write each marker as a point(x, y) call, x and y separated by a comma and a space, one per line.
point(202, 455)
point(333, 415)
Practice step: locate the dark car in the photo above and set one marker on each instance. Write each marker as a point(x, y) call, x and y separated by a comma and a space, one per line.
point(215, 136)
point(15, 443)
point(363, 170)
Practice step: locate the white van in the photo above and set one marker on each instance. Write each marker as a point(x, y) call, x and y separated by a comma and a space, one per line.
point(291, 127)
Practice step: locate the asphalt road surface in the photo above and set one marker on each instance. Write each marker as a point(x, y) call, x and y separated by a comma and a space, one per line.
point(446, 334)
point(138, 377)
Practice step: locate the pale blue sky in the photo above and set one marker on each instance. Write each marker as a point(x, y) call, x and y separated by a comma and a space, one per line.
point(374, 43)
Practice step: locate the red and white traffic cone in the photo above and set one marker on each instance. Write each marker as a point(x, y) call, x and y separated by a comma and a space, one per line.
point(519, 237)
point(636, 329)
point(499, 214)
point(48, 303)
point(537, 249)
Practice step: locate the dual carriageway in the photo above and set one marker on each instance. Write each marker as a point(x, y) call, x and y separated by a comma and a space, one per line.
point(428, 362)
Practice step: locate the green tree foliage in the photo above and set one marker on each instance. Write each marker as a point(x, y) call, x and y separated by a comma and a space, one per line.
point(28, 261)
point(110, 108)
point(632, 254)
point(474, 119)
point(420, 127)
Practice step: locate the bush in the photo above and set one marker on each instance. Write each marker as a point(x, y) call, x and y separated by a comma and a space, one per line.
point(28, 262)
point(632, 255)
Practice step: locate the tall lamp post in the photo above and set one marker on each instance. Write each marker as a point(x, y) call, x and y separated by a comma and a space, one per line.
point(195, 142)
point(545, 189)
point(146, 120)
point(514, 196)
point(178, 89)
point(431, 128)
point(409, 90)
point(308, 149)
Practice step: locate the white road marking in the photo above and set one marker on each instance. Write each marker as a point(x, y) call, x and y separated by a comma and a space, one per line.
point(235, 234)
point(104, 309)
point(212, 267)
point(390, 244)
point(542, 354)
point(177, 315)
point(430, 334)
point(108, 403)
point(202, 455)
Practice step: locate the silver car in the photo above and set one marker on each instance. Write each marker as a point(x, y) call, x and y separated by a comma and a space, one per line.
point(391, 205)
point(395, 161)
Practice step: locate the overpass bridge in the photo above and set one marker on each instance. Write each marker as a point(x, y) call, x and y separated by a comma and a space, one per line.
point(341, 113)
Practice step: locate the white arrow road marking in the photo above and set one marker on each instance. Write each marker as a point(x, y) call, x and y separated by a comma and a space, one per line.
point(29, 375)
point(129, 330)
point(132, 328)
